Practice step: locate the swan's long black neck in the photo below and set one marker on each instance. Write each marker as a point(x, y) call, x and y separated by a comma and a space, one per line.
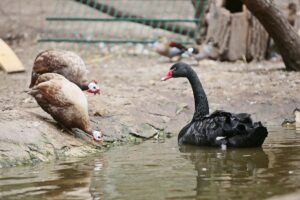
point(201, 103)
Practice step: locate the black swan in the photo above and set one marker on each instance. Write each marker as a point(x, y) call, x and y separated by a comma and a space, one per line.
point(219, 128)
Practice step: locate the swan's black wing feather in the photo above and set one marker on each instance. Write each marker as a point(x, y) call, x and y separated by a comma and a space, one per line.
point(235, 130)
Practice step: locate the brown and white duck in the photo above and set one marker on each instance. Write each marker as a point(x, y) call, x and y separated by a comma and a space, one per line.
point(171, 49)
point(64, 101)
point(66, 63)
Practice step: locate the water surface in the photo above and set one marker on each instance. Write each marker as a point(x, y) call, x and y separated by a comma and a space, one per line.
point(162, 170)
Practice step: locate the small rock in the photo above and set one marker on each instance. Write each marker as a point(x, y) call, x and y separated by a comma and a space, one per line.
point(27, 100)
point(152, 82)
point(35, 124)
point(101, 112)
point(139, 49)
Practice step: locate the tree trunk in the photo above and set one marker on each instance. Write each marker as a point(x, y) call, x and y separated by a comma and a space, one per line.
point(285, 37)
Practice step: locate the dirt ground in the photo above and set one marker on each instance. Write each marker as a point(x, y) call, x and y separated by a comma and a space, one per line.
point(134, 102)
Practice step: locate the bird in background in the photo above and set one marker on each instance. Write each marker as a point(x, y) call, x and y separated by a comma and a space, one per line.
point(65, 63)
point(208, 50)
point(293, 122)
point(219, 128)
point(64, 101)
point(171, 49)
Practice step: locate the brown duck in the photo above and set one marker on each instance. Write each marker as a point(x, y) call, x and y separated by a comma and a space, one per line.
point(66, 63)
point(171, 49)
point(64, 101)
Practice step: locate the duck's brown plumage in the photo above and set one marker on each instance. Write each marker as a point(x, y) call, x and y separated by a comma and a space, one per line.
point(66, 63)
point(168, 48)
point(63, 100)
point(172, 49)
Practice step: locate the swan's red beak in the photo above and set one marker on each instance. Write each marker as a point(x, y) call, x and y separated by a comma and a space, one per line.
point(168, 76)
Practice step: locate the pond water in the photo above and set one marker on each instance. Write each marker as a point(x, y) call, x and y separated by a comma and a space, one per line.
point(162, 170)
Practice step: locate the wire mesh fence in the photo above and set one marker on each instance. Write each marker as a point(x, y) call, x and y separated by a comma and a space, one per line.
point(123, 21)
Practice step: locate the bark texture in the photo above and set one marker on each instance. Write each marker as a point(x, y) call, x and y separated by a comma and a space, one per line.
point(239, 35)
point(285, 37)
point(257, 40)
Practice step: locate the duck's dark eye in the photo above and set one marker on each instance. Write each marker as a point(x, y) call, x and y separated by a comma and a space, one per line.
point(94, 87)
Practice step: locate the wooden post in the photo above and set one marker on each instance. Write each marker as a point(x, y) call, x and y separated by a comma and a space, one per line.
point(257, 40)
point(237, 45)
point(239, 35)
point(219, 29)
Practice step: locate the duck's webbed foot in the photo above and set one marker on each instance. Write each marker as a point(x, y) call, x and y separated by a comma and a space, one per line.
point(96, 135)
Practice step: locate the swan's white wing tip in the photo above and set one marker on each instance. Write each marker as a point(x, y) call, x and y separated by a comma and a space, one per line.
point(220, 138)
